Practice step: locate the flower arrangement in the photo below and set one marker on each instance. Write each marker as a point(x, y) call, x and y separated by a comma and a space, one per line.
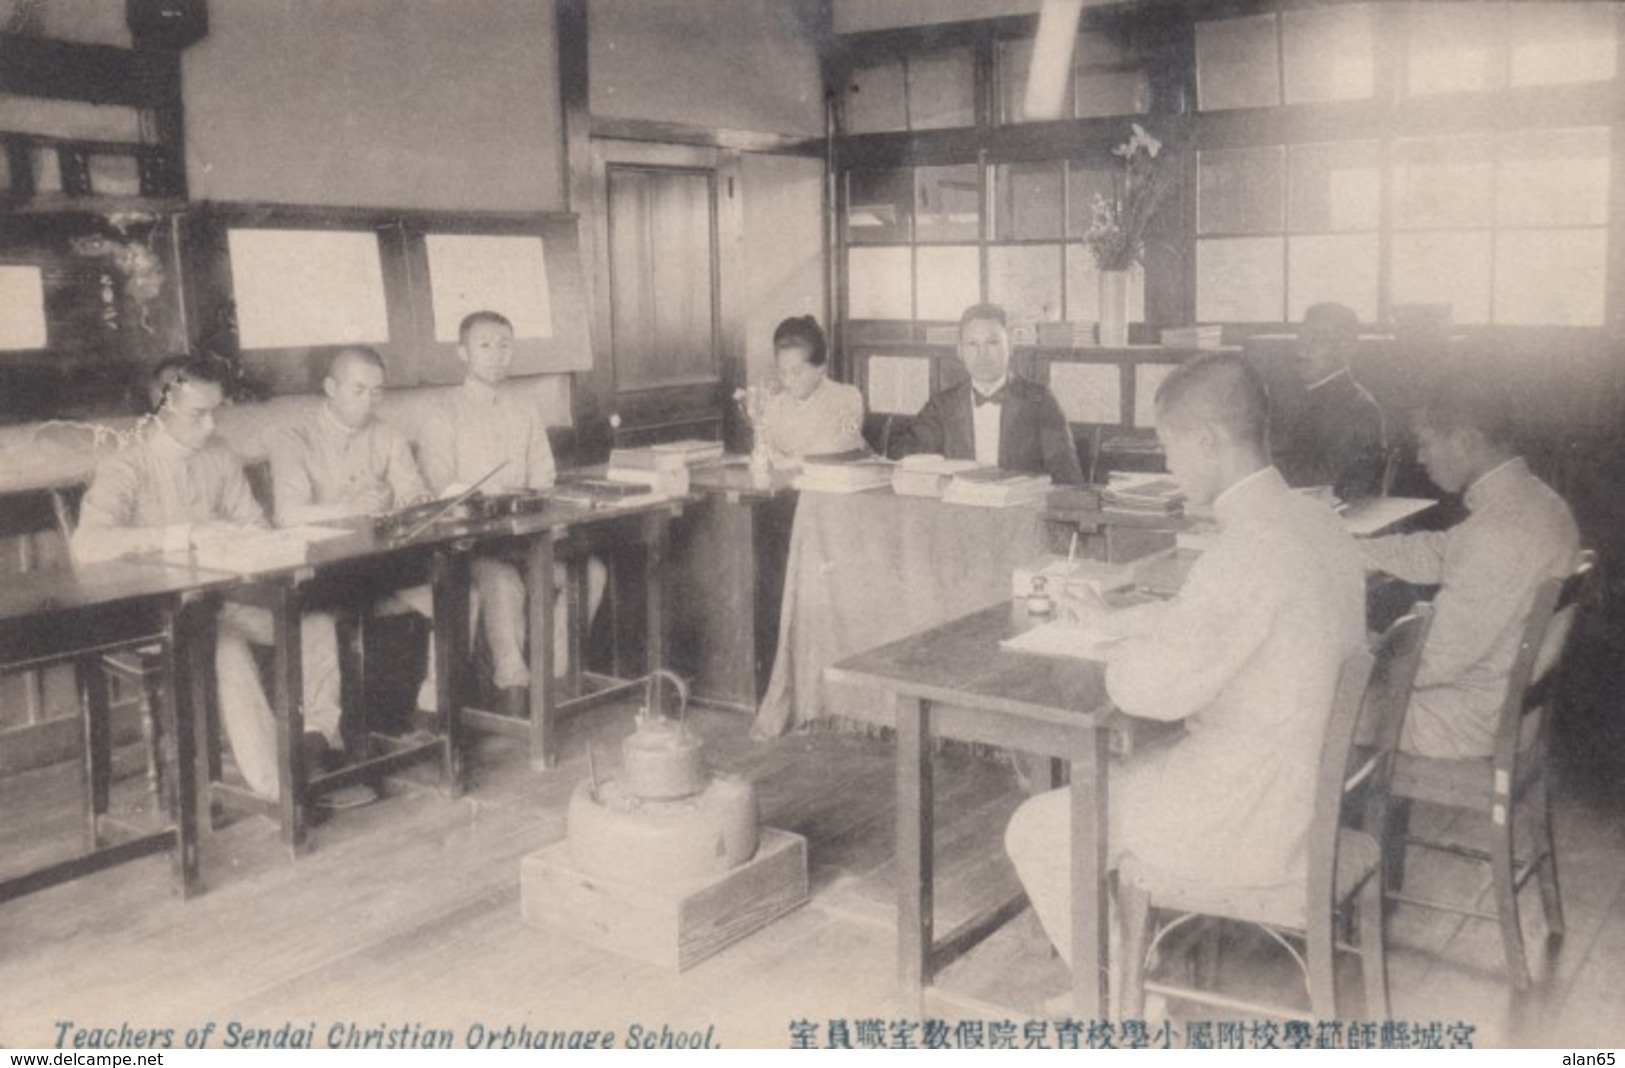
point(752, 401)
point(1116, 234)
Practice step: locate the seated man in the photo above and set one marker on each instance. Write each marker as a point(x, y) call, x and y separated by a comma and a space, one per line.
point(1518, 533)
point(994, 417)
point(174, 484)
point(1335, 438)
point(1247, 655)
point(341, 460)
point(488, 423)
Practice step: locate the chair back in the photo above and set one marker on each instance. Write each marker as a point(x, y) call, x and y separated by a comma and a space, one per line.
point(1525, 710)
point(1362, 736)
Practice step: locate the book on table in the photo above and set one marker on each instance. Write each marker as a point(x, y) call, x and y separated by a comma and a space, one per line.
point(843, 476)
point(995, 487)
point(1153, 494)
point(690, 451)
point(603, 492)
point(927, 474)
point(669, 482)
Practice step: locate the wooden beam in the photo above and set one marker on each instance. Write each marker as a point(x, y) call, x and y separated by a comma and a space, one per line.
point(682, 133)
point(96, 74)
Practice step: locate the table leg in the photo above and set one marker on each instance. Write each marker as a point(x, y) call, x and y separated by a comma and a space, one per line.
point(203, 693)
point(181, 654)
point(95, 708)
point(915, 897)
point(656, 536)
point(1090, 913)
point(290, 720)
point(543, 697)
point(448, 577)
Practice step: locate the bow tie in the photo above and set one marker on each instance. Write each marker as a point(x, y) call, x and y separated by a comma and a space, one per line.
point(996, 397)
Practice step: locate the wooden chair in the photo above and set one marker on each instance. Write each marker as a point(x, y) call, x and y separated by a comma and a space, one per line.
point(1344, 879)
point(1506, 786)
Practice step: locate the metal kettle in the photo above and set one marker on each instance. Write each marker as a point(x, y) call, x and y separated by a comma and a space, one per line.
point(661, 760)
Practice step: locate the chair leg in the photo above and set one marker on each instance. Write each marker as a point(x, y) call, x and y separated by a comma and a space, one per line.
point(1551, 898)
point(1373, 949)
point(152, 736)
point(1393, 842)
point(1205, 956)
point(1503, 873)
point(1321, 956)
point(1134, 917)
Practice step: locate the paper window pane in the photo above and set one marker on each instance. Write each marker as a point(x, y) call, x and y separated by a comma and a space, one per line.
point(1101, 93)
point(1340, 267)
point(1240, 190)
point(47, 169)
point(1564, 43)
point(470, 272)
point(1333, 186)
point(1328, 54)
point(1084, 184)
point(1443, 268)
point(1237, 63)
point(71, 120)
point(875, 101)
point(949, 281)
point(1545, 277)
point(1441, 182)
point(1027, 201)
point(22, 308)
point(114, 174)
point(947, 203)
point(1240, 280)
point(1088, 392)
point(1083, 288)
point(898, 385)
point(879, 206)
point(1553, 178)
point(941, 90)
point(1148, 378)
point(880, 283)
point(295, 288)
point(1014, 59)
point(1026, 279)
point(1451, 47)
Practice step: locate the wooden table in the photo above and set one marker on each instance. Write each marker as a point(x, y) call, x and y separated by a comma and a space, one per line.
point(79, 614)
point(646, 525)
point(729, 556)
point(955, 681)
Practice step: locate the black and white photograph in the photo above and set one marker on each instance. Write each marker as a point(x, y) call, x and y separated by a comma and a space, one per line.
point(837, 524)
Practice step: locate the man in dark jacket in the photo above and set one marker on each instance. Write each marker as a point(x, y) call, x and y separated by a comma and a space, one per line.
point(1334, 434)
point(994, 417)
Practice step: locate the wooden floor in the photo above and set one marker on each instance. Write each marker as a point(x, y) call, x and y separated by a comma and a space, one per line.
point(406, 915)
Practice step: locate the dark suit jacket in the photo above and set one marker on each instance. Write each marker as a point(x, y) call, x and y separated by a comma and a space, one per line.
point(1334, 438)
point(1033, 432)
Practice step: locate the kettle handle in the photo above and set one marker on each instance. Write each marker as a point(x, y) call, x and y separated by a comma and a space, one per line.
point(651, 689)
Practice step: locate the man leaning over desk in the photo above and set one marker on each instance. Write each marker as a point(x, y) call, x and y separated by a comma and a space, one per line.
point(994, 417)
point(173, 485)
point(1247, 656)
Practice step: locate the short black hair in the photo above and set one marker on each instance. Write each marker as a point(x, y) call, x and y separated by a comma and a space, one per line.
point(190, 369)
point(364, 353)
point(475, 318)
point(1466, 397)
point(991, 312)
point(1337, 319)
point(802, 331)
point(1221, 390)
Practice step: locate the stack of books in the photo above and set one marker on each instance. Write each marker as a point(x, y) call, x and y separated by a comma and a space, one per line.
point(1193, 337)
point(691, 452)
point(1157, 495)
point(843, 476)
point(927, 474)
point(994, 487)
point(603, 492)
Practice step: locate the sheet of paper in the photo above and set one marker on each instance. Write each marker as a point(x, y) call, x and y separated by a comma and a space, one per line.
point(1065, 638)
point(899, 385)
point(1376, 514)
point(307, 287)
point(474, 272)
point(22, 308)
point(1088, 392)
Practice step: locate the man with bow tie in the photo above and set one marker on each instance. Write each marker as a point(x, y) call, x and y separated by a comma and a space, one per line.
point(993, 417)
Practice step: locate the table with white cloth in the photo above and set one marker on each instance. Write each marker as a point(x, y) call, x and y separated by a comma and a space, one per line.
point(869, 568)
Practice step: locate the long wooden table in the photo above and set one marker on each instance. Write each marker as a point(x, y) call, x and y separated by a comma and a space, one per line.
point(955, 681)
point(78, 615)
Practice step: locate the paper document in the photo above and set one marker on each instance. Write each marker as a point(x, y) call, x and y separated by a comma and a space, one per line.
point(1063, 637)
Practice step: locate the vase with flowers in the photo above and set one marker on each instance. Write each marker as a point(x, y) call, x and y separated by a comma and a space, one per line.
point(753, 404)
point(1117, 225)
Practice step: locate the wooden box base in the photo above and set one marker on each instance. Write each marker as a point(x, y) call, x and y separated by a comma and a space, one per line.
point(676, 926)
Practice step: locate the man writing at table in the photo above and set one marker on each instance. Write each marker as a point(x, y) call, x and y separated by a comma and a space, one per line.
point(172, 486)
point(994, 417)
point(1488, 567)
point(1247, 656)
